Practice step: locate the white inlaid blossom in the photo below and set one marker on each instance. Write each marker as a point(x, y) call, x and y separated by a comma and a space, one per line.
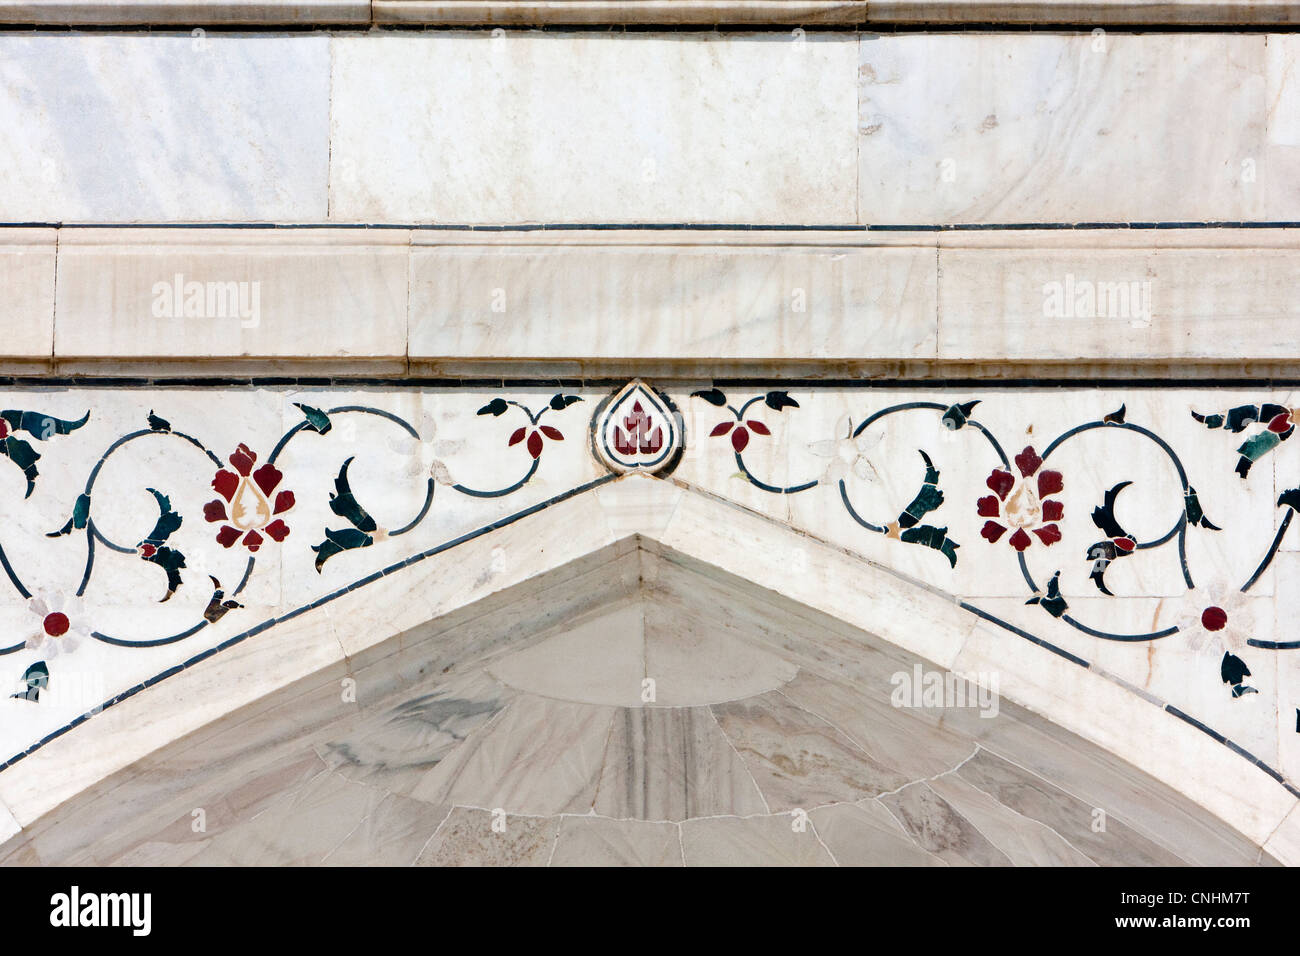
point(59, 625)
point(1215, 618)
point(848, 455)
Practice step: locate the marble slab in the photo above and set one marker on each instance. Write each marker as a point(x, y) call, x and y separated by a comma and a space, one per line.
point(670, 302)
point(105, 128)
point(588, 128)
point(231, 293)
point(1059, 128)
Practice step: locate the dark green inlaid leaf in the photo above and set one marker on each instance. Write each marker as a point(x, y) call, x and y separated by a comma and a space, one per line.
point(958, 414)
point(1290, 498)
point(36, 677)
point(926, 500)
point(1257, 446)
point(80, 515)
point(496, 407)
point(171, 561)
point(779, 400)
point(561, 402)
point(1052, 602)
point(1195, 514)
point(713, 396)
point(168, 520)
point(337, 542)
point(346, 506)
point(932, 537)
point(158, 424)
point(40, 425)
point(1209, 421)
point(25, 457)
point(317, 420)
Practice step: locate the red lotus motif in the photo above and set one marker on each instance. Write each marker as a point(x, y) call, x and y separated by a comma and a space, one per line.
point(740, 432)
point(534, 445)
point(252, 510)
point(1023, 503)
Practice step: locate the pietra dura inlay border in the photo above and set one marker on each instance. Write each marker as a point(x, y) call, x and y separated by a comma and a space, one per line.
point(914, 482)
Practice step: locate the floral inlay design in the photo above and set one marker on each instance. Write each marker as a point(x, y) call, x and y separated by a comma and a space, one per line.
point(252, 516)
point(57, 624)
point(637, 429)
point(1023, 503)
point(895, 490)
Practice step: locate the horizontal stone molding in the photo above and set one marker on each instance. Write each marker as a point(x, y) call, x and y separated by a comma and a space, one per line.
point(1058, 304)
point(307, 13)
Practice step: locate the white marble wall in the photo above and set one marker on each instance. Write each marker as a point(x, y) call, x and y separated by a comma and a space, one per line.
point(762, 128)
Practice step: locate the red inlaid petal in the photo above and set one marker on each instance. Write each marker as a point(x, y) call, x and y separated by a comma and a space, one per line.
point(1028, 461)
point(1049, 483)
point(1125, 544)
point(1053, 510)
point(148, 550)
point(227, 536)
point(252, 541)
point(4, 428)
point(243, 459)
point(225, 484)
point(1048, 534)
point(535, 445)
point(267, 477)
point(758, 428)
point(277, 529)
point(1280, 423)
point(987, 507)
point(283, 502)
point(721, 429)
point(215, 510)
point(552, 432)
point(518, 436)
point(992, 531)
point(739, 439)
point(1000, 483)
point(1020, 540)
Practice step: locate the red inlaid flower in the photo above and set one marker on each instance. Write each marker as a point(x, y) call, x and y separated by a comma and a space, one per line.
point(1023, 503)
point(534, 445)
point(252, 512)
point(740, 432)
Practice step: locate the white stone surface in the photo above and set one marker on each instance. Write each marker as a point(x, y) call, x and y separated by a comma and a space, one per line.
point(679, 303)
point(233, 293)
point(772, 128)
point(1153, 304)
point(592, 303)
point(1060, 128)
point(27, 262)
point(163, 128)
point(585, 128)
